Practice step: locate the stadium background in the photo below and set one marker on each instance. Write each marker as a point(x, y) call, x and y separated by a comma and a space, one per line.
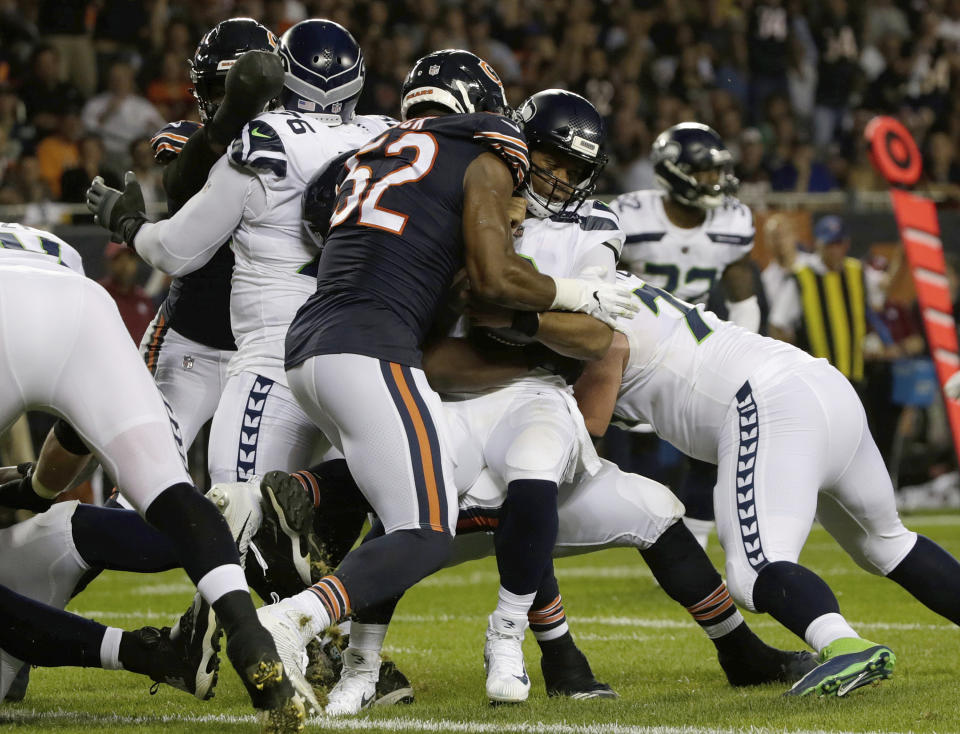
point(788, 84)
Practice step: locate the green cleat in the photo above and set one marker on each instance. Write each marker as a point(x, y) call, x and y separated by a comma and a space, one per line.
point(845, 665)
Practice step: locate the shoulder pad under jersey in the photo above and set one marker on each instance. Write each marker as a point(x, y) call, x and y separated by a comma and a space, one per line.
point(732, 224)
point(497, 133)
point(170, 139)
point(259, 147)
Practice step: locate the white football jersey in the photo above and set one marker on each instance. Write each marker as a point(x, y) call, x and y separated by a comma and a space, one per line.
point(684, 262)
point(25, 246)
point(275, 262)
point(564, 246)
point(686, 366)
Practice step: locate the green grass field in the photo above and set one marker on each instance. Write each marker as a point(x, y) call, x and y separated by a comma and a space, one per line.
point(636, 638)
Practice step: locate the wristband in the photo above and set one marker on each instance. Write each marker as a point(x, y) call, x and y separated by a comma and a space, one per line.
point(526, 322)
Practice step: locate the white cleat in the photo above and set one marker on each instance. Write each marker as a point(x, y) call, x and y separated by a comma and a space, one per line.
point(291, 631)
point(507, 679)
point(357, 687)
point(239, 502)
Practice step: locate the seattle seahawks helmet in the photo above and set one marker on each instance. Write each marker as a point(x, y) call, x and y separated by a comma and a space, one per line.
point(218, 50)
point(455, 80)
point(559, 121)
point(324, 70)
point(688, 148)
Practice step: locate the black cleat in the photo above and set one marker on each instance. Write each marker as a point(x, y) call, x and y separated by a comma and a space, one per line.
point(392, 686)
point(18, 689)
point(254, 656)
point(780, 666)
point(283, 549)
point(196, 637)
point(566, 672)
point(167, 663)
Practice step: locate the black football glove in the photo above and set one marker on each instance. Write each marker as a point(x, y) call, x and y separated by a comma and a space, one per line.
point(122, 212)
point(18, 494)
point(254, 80)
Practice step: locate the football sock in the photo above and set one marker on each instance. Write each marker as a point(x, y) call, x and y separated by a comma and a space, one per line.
point(548, 620)
point(367, 636)
point(700, 529)
point(684, 572)
point(384, 567)
point(793, 595)
point(207, 552)
point(513, 605)
point(827, 628)
point(43, 635)
point(526, 534)
point(120, 540)
point(932, 576)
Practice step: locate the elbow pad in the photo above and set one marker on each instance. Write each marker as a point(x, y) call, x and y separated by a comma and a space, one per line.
point(745, 313)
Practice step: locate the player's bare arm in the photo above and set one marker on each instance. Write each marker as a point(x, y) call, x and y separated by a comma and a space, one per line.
point(738, 279)
point(596, 390)
point(455, 364)
point(496, 272)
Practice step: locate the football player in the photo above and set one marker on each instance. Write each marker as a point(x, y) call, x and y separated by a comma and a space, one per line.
point(500, 412)
point(416, 205)
point(686, 238)
point(66, 350)
point(527, 430)
point(790, 440)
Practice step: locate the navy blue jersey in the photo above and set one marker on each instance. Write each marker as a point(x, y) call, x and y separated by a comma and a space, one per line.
point(396, 237)
point(198, 304)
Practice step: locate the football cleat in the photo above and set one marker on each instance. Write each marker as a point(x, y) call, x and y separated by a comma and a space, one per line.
point(170, 665)
point(767, 666)
point(393, 687)
point(568, 674)
point(507, 679)
point(845, 665)
point(291, 631)
point(357, 688)
point(196, 637)
point(14, 677)
point(281, 707)
point(239, 502)
point(284, 545)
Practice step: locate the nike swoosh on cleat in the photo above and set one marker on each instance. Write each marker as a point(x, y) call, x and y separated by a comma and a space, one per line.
point(522, 678)
point(855, 683)
point(367, 700)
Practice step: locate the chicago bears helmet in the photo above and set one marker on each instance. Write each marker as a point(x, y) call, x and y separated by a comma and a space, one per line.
point(453, 79)
point(559, 121)
point(218, 50)
point(688, 148)
point(324, 70)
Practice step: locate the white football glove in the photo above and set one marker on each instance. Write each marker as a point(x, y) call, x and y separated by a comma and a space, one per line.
point(952, 387)
point(604, 301)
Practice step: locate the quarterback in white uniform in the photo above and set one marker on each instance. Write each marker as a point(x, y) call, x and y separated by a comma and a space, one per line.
point(790, 438)
point(252, 197)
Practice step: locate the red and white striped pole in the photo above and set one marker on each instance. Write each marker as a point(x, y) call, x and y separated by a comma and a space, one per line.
point(896, 157)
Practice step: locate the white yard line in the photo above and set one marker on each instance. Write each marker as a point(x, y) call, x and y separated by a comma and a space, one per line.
point(399, 724)
point(643, 622)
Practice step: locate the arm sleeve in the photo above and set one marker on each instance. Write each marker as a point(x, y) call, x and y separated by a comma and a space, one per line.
point(189, 239)
point(185, 175)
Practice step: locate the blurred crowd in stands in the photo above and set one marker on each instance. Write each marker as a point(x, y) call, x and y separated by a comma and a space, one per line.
point(789, 84)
